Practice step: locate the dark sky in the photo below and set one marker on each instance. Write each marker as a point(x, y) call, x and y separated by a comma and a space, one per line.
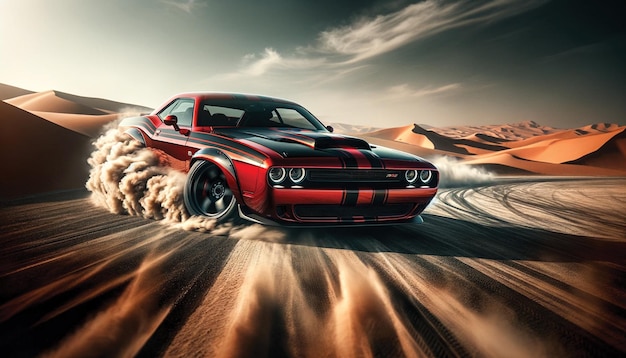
point(379, 63)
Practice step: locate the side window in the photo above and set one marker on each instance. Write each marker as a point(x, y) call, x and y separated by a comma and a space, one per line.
point(275, 118)
point(215, 115)
point(293, 118)
point(182, 108)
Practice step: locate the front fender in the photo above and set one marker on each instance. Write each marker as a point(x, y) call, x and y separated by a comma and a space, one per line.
point(225, 164)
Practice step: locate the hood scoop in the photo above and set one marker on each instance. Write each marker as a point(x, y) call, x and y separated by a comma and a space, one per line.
point(329, 142)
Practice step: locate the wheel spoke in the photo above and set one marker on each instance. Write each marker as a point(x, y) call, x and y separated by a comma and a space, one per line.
point(219, 205)
point(206, 205)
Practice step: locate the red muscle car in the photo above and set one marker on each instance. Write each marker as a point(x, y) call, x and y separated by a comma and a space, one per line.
point(271, 161)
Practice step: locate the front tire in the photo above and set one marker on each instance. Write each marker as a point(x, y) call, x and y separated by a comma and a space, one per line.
point(207, 193)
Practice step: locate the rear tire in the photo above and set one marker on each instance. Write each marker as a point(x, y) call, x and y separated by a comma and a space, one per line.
point(207, 193)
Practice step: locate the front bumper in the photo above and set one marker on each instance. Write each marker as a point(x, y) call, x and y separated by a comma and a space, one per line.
point(339, 207)
point(252, 217)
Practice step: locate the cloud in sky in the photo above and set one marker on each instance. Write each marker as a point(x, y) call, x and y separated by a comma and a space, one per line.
point(368, 37)
point(187, 6)
point(403, 91)
point(375, 62)
point(257, 65)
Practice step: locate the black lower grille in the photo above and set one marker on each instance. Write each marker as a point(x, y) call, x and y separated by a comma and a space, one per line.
point(348, 212)
point(355, 175)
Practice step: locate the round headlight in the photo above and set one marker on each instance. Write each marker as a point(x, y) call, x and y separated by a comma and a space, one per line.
point(297, 175)
point(277, 175)
point(426, 176)
point(410, 176)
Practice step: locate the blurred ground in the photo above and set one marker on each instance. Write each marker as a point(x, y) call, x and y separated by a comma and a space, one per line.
point(525, 267)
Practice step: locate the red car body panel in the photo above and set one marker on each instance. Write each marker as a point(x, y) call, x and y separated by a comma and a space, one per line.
point(347, 181)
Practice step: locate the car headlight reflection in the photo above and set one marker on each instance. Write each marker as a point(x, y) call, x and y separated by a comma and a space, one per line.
point(277, 175)
point(297, 175)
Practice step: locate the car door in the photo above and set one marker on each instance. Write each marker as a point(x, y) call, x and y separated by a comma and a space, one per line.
point(171, 141)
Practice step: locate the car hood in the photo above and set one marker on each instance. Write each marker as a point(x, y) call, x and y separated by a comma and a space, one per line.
point(291, 143)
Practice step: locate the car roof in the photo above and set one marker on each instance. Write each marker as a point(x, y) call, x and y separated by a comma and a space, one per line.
point(232, 96)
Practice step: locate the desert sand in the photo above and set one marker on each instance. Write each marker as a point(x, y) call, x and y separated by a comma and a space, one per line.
point(593, 150)
point(46, 139)
point(478, 278)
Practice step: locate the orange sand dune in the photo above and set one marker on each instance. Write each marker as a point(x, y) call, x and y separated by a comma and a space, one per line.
point(60, 102)
point(432, 140)
point(508, 161)
point(561, 150)
point(515, 131)
point(38, 156)
point(410, 148)
point(104, 105)
point(564, 134)
point(598, 149)
point(611, 155)
point(7, 91)
point(403, 134)
point(89, 125)
point(49, 102)
point(84, 115)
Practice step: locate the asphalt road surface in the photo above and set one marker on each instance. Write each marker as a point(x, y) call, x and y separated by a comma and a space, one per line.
point(524, 268)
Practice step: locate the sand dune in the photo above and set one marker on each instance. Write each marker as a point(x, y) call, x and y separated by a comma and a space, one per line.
point(405, 135)
point(7, 91)
point(508, 164)
point(428, 138)
point(84, 115)
point(49, 102)
point(89, 125)
point(38, 156)
point(60, 102)
point(514, 131)
point(557, 150)
point(598, 149)
point(46, 140)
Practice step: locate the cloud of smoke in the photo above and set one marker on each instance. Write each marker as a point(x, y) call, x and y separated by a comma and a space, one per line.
point(127, 178)
point(455, 174)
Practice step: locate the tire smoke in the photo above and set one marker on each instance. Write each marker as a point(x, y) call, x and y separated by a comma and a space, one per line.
point(455, 174)
point(127, 178)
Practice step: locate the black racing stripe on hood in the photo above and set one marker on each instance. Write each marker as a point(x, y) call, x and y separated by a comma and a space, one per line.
point(373, 158)
point(348, 160)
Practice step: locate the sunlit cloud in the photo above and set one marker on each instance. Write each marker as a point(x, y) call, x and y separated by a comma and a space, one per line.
point(257, 65)
point(368, 37)
point(405, 90)
point(187, 6)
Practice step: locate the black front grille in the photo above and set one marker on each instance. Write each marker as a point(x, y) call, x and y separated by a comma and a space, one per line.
point(319, 211)
point(355, 176)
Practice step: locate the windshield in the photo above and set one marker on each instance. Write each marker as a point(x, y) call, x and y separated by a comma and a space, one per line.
point(256, 114)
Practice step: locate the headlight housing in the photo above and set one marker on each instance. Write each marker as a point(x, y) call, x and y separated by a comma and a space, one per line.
point(297, 175)
point(426, 176)
point(277, 175)
point(411, 176)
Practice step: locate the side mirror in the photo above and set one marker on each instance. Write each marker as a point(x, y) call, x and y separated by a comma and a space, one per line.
point(330, 129)
point(172, 120)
